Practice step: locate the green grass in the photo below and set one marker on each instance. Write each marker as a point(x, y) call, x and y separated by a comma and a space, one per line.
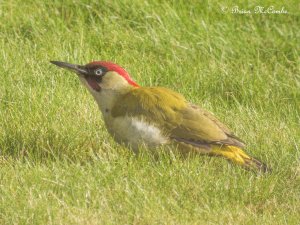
point(58, 165)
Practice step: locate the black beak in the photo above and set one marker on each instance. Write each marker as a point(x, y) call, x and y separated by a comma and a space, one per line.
point(73, 67)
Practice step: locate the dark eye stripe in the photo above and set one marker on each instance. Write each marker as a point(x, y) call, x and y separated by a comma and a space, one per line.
point(96, 70)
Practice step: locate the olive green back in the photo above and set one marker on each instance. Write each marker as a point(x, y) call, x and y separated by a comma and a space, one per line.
point(178, 119)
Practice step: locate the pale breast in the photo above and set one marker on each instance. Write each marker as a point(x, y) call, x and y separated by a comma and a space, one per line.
point(135, 131)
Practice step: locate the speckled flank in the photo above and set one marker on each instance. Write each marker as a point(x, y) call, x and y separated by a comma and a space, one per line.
point(135, 131)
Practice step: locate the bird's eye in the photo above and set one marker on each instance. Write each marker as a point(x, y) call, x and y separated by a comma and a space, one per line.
point(99, 72)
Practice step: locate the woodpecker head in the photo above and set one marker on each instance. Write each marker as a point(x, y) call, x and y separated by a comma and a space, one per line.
point(100, 75)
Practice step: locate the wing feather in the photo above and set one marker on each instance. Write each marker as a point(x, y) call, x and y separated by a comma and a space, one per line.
point(180, 120)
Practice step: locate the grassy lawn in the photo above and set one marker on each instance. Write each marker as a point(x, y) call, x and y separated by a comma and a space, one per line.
point(58, 165)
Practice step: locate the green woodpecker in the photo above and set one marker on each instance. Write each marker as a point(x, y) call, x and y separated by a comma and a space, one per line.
point(156, 116)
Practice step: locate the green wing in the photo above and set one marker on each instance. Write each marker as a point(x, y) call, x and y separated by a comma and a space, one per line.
point(178, 119)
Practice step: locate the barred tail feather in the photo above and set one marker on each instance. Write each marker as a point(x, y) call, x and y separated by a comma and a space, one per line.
point(238, 156)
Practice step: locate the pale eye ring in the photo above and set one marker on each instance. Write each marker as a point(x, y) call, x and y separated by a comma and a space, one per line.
point(99, 72)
